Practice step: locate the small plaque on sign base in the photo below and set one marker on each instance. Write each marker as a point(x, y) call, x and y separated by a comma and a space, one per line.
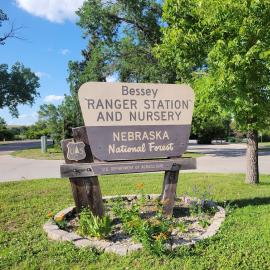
point(76, 151)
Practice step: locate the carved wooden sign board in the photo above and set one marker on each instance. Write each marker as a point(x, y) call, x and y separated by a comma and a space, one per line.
point(134, 121)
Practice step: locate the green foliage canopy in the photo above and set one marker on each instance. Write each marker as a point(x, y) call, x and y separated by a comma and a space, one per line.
point(228, 41)
point(121, 36)
point(17, 86)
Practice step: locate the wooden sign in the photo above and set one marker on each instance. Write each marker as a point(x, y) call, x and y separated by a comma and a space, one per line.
point(130, 121)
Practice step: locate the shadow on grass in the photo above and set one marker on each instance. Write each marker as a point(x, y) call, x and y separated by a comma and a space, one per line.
point(248, 202)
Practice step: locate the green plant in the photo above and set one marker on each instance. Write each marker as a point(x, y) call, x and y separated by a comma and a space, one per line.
point(94, 226)
point(182, 227)
point(59, 220)
point(152, 232)
point(229, 207)
point(203, 222)
point(202, 203)
point(195, 208)
point(61, 224)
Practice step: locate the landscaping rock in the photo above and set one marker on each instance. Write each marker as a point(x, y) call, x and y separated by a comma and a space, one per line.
point(71, 237)
point(82, 243)
point(56, 234)
point(118, 249)
point(134, 247)
point(100, 245)
point(49, 226)
point(65, 212)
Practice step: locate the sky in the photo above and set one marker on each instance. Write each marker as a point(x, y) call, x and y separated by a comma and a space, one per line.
point(51, 38)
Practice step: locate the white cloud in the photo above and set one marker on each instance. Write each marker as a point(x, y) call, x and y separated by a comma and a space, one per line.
point(64, 51)
point(53, 98)
point(53, 10)
point(41, 74)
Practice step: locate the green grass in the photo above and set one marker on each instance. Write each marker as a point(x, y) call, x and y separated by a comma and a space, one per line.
point(56, 154)
point(53, 153)
point(265, 146)
point(193, 154)
point(5, 142)
point(242, 243)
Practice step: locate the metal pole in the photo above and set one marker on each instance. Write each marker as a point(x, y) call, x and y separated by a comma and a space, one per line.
point(43, 144)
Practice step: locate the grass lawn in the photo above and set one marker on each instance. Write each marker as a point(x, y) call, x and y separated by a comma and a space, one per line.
point(55, 153)
point(242, 243)
point(193, 154)
point(265, 146)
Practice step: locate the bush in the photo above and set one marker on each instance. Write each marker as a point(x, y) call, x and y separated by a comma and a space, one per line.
point(6, 134)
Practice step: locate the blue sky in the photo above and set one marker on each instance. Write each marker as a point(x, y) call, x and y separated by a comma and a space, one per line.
point(51, 39)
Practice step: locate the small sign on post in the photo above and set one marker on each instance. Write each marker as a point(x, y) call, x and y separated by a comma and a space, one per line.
point(43, 144)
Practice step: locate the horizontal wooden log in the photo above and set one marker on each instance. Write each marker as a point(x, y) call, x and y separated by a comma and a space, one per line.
point(102, 168)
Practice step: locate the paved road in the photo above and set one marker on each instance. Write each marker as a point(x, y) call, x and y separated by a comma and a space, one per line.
point(19, 145)
point(219, 158)
point(227, 158)
point(15, 168)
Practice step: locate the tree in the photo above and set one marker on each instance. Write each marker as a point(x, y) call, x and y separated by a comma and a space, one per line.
point(229, 41)
point(12, 31)
point(57, 121)
point(71, 115)
point(121, 36)
point(5, 133)
point(50, 116)
point(17, 86)
point(36, 131)
point(209, 121)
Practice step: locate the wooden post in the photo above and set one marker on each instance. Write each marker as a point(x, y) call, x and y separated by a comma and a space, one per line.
point(86, 190)
point(169, 190)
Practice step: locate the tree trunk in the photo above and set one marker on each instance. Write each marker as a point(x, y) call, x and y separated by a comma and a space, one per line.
point(252, 175)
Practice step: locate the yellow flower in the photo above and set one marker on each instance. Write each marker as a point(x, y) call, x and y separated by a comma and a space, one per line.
point(161, 236)
point(49, 214)
point(155, 222)
point(140, 186)
point(59, 218)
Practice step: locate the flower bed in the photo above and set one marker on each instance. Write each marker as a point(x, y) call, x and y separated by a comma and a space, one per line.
point(136, 221)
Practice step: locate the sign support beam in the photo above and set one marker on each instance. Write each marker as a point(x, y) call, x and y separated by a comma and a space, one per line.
point(169, 191)
point(86, 190)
